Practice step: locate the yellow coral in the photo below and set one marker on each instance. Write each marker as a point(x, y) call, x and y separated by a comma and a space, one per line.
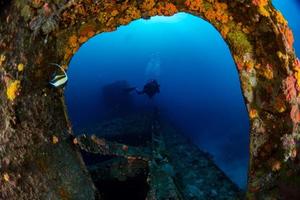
point(268, 72)
point(6, 177)
point(280, 18)
point(20, 67)
point(54, 139)
point(13, 89)
point(263, 11)
point(280, 54)
point(2, 58)
point(261, 7)
point(103, 17)
point(297, 76)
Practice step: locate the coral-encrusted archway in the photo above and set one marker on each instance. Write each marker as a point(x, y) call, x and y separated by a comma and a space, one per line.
point(37, 159)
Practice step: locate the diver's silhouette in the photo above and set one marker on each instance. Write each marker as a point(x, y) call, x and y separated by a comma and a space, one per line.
point(150, 89)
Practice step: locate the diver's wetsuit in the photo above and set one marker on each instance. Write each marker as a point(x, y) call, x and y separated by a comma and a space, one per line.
point(150, 89)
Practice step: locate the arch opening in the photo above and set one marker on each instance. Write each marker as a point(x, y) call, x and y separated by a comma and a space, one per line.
point(145, 50)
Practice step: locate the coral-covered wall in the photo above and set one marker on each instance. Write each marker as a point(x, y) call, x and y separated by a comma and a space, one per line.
point(37, 159)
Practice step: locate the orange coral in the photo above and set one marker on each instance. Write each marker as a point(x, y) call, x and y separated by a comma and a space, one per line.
point(82, 39)
point(194, 5)
point(68, 53)
point(85, 29)
point(152, 12)
point(169, 9)
point(147, 4)
point(91, 34)
point(218, 12)
point(73, 41)
point(253, 114)
point(220, 6)
point(114, 13)
point(124, 20)
point(210, 14)
point(224, 31)
point(249, 65)
point(276, 166)
point(133, 13)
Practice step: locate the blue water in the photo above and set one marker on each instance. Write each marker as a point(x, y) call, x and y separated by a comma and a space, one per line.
point(291, 11)
point(200, 89)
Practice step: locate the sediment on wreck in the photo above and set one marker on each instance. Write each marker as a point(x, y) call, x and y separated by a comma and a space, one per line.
point(38, 162)
point(167, 166)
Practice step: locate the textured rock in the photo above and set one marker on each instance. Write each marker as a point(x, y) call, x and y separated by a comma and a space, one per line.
point(36, 33)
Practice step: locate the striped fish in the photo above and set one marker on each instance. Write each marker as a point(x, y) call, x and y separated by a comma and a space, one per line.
point(59, 80)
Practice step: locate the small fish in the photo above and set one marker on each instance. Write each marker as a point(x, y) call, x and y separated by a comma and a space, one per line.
point(59, 80)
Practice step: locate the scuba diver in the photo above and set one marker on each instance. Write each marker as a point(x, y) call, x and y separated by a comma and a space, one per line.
point(150, 89)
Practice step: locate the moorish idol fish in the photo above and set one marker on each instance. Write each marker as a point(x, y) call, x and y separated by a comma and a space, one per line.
point(59, 80)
